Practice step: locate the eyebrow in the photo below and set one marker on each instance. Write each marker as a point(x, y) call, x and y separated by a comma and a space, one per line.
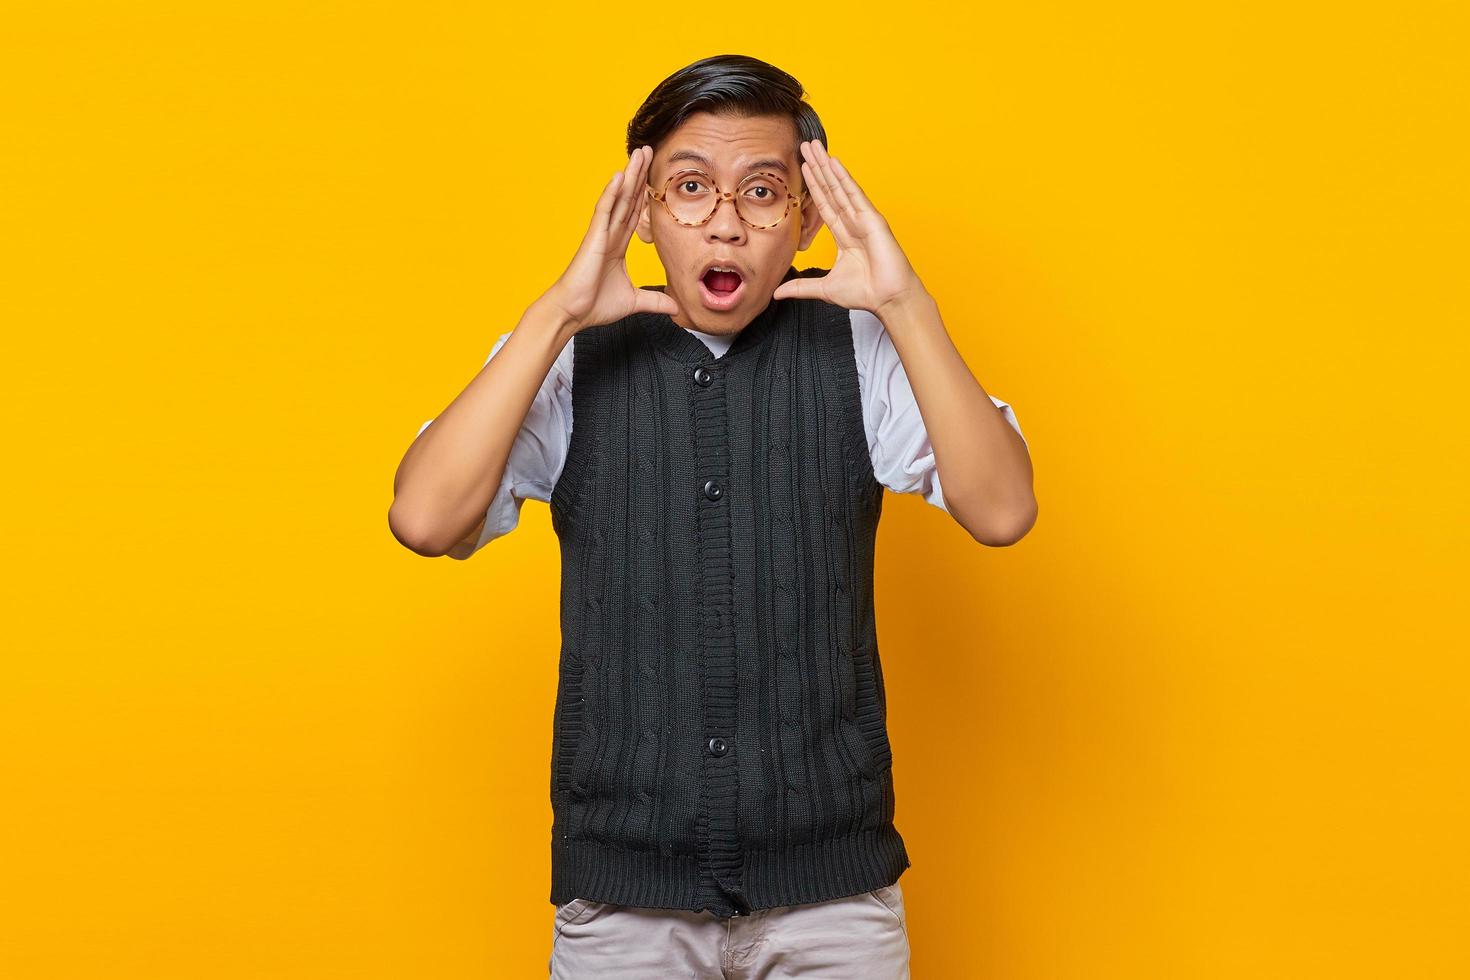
point(704, 161)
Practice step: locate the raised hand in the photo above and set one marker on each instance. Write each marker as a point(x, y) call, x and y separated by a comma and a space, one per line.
point(595, 288)
point(871, 271)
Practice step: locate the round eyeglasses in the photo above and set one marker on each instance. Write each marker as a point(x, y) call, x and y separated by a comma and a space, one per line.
point(691, 197)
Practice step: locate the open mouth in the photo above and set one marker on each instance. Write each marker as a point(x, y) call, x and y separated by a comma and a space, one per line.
point(721, 290)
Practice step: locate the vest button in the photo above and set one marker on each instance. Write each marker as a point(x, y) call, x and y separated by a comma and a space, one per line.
point(702, 377)
point(713, 490)
point(718, 746)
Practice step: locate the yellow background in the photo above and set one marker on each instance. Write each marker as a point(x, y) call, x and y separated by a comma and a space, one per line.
point(1208, 719)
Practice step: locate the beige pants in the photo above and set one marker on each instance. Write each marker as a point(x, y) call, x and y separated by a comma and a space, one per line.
point(860, 936)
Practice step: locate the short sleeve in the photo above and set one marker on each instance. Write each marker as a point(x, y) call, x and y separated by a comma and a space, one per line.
point(536, 456)
point(903, 457)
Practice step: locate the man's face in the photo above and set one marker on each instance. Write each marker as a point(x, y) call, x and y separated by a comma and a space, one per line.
point(729, 149)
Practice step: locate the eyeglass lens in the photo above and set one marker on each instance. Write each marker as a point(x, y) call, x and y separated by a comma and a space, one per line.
point(760, 199)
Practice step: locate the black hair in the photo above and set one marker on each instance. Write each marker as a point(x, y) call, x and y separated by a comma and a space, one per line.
point(724, 84)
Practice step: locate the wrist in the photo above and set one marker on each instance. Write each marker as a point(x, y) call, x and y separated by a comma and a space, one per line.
point(906, 306)
point(549, 314)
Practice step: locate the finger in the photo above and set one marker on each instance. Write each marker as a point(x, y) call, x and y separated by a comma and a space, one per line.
point(809, 288)
point(628, 190)
point(605, 201)
point(654, 301)
point(831, 184)
point(854, 193)
point(597, 227)
point(824, 205)
point(620, 209)
point(832, 210)
point(638, 190)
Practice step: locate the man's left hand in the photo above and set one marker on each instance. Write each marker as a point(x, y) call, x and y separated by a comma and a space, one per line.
point(871, 272)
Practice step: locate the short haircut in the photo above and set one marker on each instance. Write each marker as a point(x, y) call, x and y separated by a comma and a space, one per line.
point(724, 84)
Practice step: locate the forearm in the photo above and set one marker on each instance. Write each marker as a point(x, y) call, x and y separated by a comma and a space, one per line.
point(446, 480)
point(984, 467)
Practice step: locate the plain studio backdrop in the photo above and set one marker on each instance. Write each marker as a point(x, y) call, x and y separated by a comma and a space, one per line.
point(1207, 720)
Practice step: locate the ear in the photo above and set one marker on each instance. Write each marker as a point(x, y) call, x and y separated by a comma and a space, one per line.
point(811, 222)
point(644, 228)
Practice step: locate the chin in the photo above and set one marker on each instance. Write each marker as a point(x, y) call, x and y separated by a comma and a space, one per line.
point(723, 322)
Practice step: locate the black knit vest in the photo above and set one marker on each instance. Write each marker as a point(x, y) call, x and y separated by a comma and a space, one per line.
point(719, 740)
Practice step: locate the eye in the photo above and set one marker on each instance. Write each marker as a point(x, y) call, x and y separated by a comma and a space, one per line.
point(761, 190)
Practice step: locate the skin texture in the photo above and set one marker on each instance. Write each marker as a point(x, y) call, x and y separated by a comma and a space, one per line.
point(730, 142)
point(983, 463)
point(450, 473)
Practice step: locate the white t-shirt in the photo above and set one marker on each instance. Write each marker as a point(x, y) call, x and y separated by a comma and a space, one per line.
point(903, 459)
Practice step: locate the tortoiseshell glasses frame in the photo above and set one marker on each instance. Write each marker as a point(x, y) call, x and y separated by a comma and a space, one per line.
point(792, 200)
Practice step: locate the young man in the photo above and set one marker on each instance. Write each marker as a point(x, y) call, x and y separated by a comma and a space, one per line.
point(715, 452)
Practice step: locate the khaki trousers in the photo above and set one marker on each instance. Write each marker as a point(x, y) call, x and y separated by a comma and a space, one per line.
point(857, 937)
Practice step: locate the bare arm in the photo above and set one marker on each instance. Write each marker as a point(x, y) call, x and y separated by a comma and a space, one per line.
point(984, 466)
point(446, 479)
point(983, 463)
point(450, 473)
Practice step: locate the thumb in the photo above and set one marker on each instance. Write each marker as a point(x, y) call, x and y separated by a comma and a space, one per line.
point(798, 289)
point(654, 301)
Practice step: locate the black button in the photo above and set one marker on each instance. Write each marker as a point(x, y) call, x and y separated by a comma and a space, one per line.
point(713, 490)
point(702, 377)
point(718, 746)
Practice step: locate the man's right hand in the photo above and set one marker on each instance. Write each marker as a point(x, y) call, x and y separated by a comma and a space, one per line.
point(595, 288)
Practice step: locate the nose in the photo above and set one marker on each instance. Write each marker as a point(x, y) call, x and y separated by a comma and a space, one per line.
point(725, 224)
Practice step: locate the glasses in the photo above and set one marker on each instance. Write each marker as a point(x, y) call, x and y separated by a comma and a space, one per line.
point(691, 197)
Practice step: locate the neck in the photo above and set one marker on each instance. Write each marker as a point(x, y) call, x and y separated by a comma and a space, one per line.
point(724, 332)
